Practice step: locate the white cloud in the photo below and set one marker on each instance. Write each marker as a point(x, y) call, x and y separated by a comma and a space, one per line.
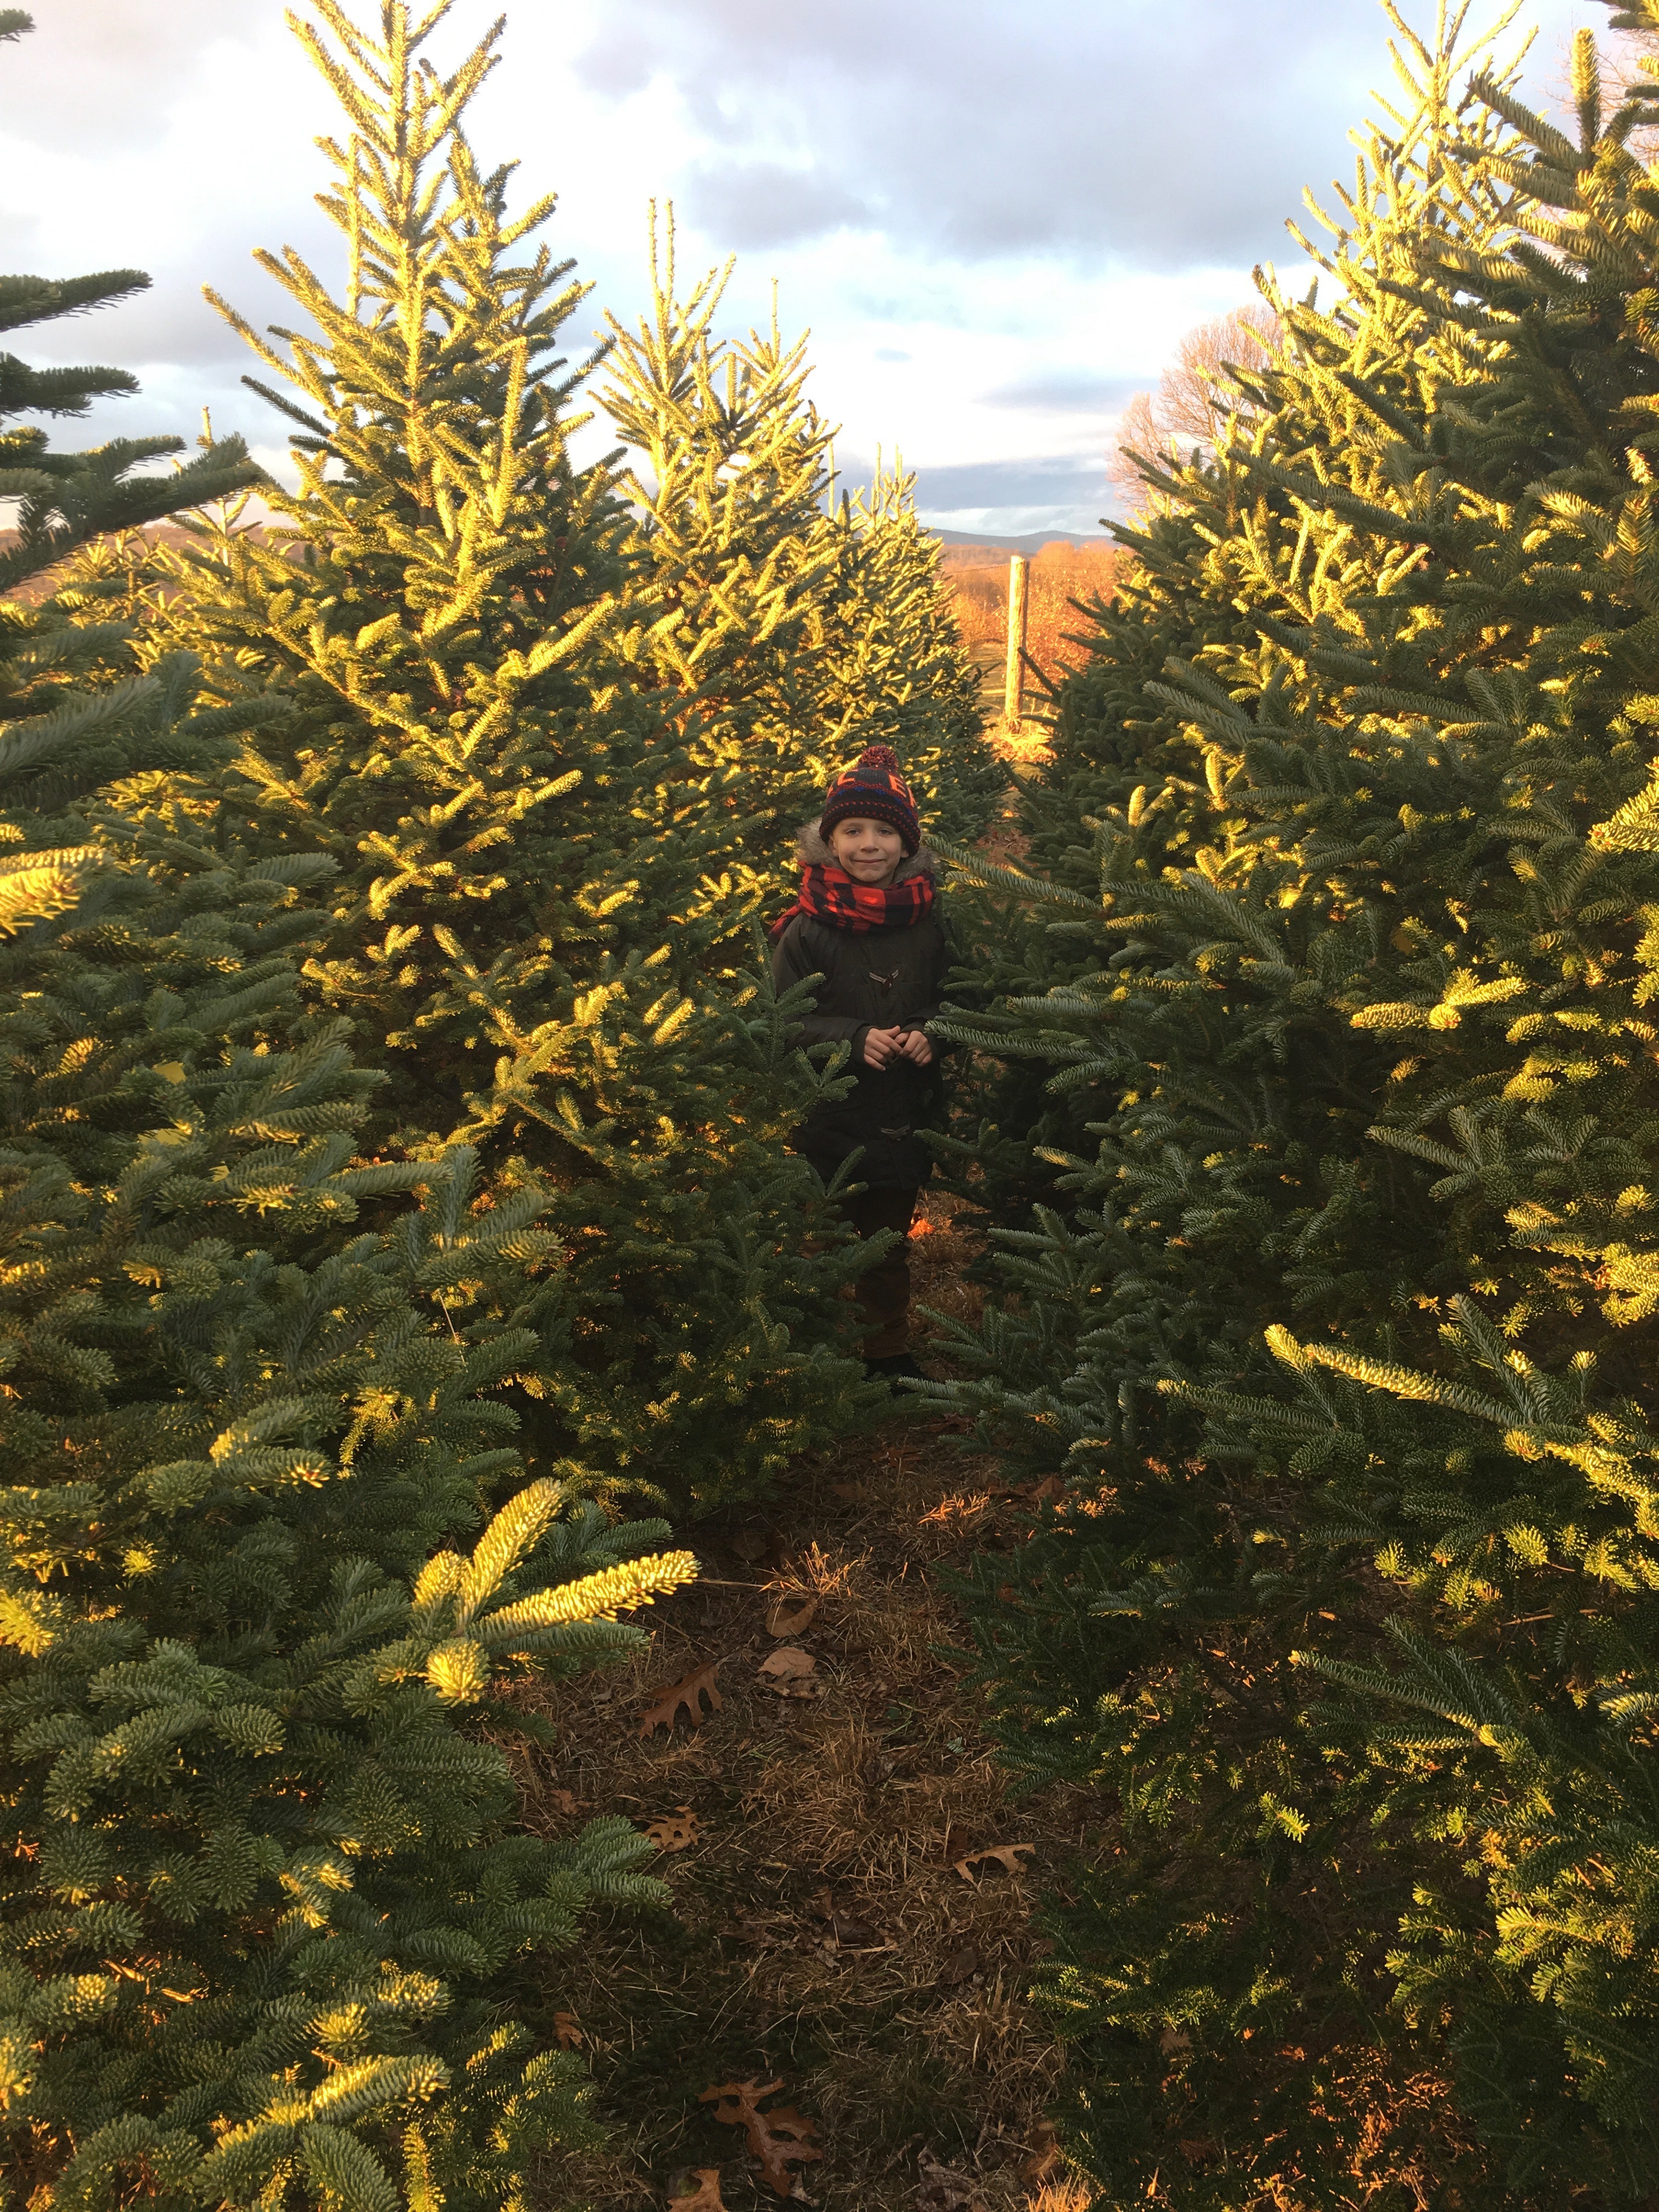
point(998, 219)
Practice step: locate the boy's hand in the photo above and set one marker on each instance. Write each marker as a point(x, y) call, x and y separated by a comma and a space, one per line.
point(913, 1045)
point(882, 1045)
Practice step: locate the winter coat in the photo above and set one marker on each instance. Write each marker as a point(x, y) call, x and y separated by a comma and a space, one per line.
point(872, 979)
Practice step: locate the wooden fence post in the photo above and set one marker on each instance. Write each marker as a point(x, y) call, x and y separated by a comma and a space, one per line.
point(1013, 683)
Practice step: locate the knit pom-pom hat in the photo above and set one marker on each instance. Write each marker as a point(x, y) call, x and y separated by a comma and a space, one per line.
point(872, 790)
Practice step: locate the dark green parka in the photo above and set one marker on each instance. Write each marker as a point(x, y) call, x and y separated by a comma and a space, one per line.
point(872, 979)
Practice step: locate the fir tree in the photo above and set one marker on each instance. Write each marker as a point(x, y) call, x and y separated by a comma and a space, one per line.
point(74, 730)
point(524, 924)
point(898, 673)
point(263, 1907)
point(64, 499)
point(791, 629)
point(270, 1552)
point(1337, 1327)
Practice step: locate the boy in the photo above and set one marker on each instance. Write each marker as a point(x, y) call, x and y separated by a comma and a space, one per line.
point(865, 920)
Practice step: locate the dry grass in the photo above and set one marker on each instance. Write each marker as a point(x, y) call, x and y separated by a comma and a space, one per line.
point(1059, 578)
point(822, 1935)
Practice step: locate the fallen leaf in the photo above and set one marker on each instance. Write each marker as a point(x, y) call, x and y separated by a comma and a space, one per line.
point(1006, 1855)
point(746, 1929)
point(850, 1493)
point(566, 2031)
point(777, 2140)
point(698, 1685)
point(943, 2189)
point(562, 1801)
point(962, 1965)
point(705, 2197)
point(790, 1672)
point(851, 1933)
point(1039, 1494)
point(1045, 2154)
point(675, 1831)
point(791, 1614)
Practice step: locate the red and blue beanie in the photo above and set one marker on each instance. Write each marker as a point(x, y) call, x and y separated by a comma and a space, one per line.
point(872, 790)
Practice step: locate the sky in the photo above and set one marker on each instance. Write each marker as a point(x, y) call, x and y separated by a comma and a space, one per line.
point(997, 217)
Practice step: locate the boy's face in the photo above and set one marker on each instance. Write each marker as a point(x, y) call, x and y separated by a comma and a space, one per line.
point(869, 852)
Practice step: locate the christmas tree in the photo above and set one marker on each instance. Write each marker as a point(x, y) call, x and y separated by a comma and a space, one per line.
point(269, 1551)
point(530, 935)
point(1335, 1322)
point(64, 499)
point(790, 628)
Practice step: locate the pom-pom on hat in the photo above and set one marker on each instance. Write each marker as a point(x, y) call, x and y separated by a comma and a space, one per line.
point(872, 790)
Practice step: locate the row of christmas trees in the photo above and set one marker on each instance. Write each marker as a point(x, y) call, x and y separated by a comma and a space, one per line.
point(1329, 1045)
point(393, 1172)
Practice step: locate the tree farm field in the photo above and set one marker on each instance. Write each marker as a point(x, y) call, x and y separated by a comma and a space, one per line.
point(855, 1898)
point(530, 1681)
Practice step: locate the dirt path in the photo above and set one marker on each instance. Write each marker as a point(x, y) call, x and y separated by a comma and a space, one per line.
point(822, 1935)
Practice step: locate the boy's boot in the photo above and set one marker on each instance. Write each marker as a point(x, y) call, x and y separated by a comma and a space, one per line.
point(894, 1367)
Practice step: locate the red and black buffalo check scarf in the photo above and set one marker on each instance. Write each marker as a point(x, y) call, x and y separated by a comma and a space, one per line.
point(829, 895)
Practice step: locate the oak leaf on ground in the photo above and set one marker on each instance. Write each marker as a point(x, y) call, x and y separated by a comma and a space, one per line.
point(789, 1672)
point(568, 2031)
point(675, 1831)
point(960, 1967)
point(777, 2140)
point(792, 1613)
point(943, 2190)
point(851, 1933)
point(1006, 1855)
point(698, 1685)
point(705, 2197)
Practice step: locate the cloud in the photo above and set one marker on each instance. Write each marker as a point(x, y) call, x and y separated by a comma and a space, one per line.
point(998, 219)
point(1177, 134)
point(762, 204)
point(107, 75)
point(1064, 391)
point(1042, 482)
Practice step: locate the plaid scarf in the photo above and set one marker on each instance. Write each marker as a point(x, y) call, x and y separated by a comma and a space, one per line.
point(829, 894)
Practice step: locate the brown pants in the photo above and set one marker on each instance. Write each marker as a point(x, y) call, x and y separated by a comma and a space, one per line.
point(884, 1292)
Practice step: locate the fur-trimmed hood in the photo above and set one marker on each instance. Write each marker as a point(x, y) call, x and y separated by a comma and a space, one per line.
point(811, 852)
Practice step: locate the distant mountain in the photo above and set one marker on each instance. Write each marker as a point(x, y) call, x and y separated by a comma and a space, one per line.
point(1034, 542)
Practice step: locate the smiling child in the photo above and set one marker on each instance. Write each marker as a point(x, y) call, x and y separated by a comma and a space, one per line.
point(866, 921)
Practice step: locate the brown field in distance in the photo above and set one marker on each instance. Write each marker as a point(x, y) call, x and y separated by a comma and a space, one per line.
point(1059, 580)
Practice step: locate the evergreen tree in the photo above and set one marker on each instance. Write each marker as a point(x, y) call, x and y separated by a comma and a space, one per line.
point(64, 499)
point(526, 911)
point(268, 1548)
point(76, 730)
point(1337, 1331)
point(262, 1911)
point(791, 630)
point(898, 673)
